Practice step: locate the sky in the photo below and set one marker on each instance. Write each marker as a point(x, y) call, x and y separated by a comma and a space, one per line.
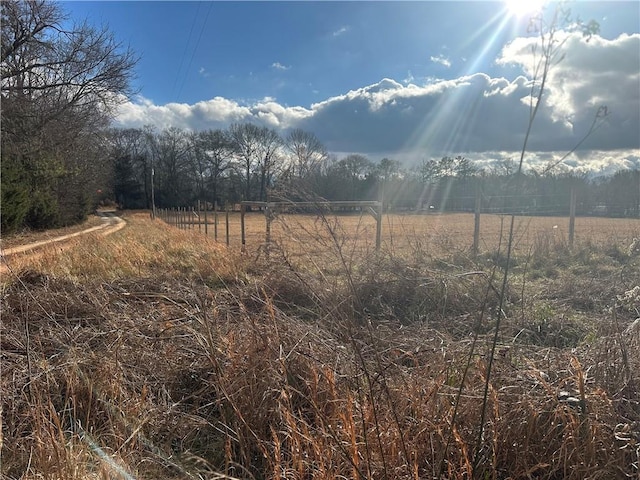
point(404, 80)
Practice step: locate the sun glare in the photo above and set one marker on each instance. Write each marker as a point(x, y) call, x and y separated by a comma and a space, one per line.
point(520, 8)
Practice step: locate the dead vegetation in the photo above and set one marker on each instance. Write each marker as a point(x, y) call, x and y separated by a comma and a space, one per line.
point(28, 236)
point(155, 353)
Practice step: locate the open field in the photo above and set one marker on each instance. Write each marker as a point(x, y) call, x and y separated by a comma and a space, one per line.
point(443, 234)
point(158, 353)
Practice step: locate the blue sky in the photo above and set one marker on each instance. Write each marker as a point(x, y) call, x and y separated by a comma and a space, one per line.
point(402, 79)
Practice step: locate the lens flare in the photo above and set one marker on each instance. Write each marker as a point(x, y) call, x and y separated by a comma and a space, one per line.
point(520, 8)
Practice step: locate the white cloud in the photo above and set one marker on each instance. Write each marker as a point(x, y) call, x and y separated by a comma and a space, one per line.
point(409, 78)
point(279, 66)
point(274, 115)
point(340, 31)
point(477, 115)
point(441, 60)
point(215, 113)
point(591, 74)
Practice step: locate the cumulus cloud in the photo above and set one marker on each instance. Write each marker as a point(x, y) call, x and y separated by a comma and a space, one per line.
point(447, 115)
point(215, 113)
point(477, 115)
point(591, 74)
point(218, 112)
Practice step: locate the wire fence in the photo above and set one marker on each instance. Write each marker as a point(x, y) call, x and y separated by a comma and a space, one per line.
point(477, 229)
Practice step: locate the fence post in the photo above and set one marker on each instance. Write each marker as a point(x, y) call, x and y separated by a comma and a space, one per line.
point(206, 221)
point(227, 222)
point(267, 215)
point(199, 222)
point(476, 222)
point(572, 216)
point(379, 210)
point(215, 221)
point(242, 235)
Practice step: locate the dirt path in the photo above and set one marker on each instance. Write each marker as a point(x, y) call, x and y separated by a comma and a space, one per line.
point(111, 224)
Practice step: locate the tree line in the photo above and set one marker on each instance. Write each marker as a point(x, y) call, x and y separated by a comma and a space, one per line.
point(249, 162)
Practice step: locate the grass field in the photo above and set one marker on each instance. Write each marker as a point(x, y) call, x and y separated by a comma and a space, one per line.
point(455, 229)
point(434, 235)
point(158, 353)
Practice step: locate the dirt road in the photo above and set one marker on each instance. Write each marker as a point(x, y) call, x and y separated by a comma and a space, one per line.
point(111, 223)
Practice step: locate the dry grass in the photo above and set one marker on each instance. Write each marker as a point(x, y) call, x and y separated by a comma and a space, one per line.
point(439, 234)
point(29, 236)
point(155, 353)
point(142, 249)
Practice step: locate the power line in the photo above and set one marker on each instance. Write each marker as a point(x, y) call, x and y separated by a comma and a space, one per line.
point(186, 48)
point(193, 53)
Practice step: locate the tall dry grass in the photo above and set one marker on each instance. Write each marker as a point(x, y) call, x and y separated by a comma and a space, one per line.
point(144, 248)
point(155, 353)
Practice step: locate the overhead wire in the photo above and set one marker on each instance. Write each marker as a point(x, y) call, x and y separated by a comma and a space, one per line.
point(184, 54)
point(195, 49)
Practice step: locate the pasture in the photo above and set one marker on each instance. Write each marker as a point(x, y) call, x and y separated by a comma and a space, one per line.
point(440, 234)
point(159, 353)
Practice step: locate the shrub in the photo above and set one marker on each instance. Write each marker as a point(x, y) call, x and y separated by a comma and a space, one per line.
point(43, 211)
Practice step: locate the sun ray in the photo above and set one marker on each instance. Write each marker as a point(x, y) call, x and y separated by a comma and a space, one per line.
point(520, 8)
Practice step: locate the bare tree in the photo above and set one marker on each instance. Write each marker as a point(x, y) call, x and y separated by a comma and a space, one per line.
point(245, 139)
point(83, 69)
point(269, 146)
point(213, 151)
point(306, 151)
point(172, 151)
